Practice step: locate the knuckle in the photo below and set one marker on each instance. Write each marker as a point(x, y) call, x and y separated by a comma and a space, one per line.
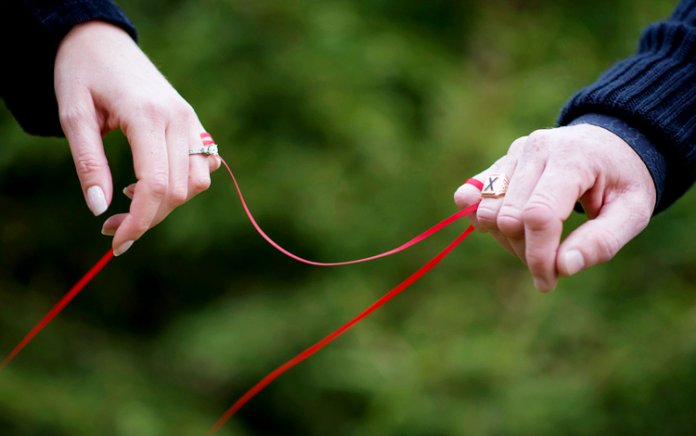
point(156, 185)
point(517, 145)
point(178, 196)
point(73, 115)
point(153, 111)
point(538, 214)
point(537, 141)
point(184, 111)
point(200, 184)
point(640, 217)
point(510, 223)
point(486, 216)
point(88, 165)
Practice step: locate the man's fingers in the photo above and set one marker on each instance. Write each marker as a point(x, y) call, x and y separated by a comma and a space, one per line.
point(79, 121)
point(598, 240)
point(466, 195)
point(528, 170)
point(549, 205)
point(487, 212)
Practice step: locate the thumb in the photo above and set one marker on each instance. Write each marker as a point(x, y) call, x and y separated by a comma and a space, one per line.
point(78, 118)
point(598, 240)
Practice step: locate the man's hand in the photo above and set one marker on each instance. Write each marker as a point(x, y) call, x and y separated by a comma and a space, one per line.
point(551, 170)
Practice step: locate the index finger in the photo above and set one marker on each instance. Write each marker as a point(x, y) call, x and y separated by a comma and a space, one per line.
point(150, 162)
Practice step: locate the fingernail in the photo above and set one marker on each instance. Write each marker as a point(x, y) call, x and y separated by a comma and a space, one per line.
point(123, 248)
point(127, 193)
point(107, 232)
point(96, 200)
point(465, 189)
point(464, 194)
point(540, 284)
point(573, 261)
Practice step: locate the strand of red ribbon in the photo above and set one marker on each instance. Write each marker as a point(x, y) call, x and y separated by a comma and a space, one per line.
point(94, 270)
point(425, 235)
point(55, 310)
point(258, 387)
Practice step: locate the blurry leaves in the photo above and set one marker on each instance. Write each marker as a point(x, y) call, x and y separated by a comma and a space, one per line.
point(349, 125)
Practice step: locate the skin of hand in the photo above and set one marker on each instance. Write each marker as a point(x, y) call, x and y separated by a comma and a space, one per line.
point(549, 171)
point(103, 81)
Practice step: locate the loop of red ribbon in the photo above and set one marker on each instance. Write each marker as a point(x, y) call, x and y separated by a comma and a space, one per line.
point(258, 387)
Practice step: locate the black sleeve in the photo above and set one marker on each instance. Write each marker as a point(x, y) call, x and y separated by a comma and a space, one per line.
point(30, 31)
point(654, 92)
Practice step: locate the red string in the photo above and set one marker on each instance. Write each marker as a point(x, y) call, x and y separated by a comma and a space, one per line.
point(258, 387)
point(55, 310)
point(268, 379)
point(426, 234)
point(79, 286)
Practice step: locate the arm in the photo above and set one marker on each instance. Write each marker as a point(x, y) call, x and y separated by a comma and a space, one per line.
point(653, 92)
point(31, 31)
point(632, 149)
point(102, 81)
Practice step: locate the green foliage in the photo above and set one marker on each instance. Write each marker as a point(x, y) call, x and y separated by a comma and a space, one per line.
point(350, 124)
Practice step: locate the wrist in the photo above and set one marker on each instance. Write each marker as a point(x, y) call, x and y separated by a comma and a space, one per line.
point(654, 161)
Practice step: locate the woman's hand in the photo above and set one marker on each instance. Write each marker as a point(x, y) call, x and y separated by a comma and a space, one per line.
point(103, 81)
point(549, 171)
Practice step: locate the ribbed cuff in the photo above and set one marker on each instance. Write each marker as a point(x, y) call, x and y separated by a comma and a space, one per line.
point(654, 93)
point(644, 148)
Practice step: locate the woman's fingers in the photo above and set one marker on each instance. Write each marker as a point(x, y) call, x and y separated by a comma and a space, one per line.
point(151, 163)
point(196, 181)
point(200, 165)
point(78, 119)
point(103, 82)
point(112, 224)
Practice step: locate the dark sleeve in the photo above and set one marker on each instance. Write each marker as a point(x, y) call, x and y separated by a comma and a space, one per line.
point(30, 31)
point(653, 159)
point(653, 93)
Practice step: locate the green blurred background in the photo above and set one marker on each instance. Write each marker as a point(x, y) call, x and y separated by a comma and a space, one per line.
point(349, 124)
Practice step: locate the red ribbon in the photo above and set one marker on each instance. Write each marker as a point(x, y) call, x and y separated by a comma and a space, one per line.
point(258, 387)
point(55, 310)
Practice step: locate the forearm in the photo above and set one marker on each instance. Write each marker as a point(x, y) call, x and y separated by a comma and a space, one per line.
point(655, 93)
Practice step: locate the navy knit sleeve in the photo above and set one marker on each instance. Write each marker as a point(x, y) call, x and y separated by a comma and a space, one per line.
point(30, 33)
point(654, 92)
point(656, 163)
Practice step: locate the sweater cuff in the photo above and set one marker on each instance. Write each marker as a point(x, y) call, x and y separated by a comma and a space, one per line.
point(654, 90)
point(644, 148)
point(59, 16)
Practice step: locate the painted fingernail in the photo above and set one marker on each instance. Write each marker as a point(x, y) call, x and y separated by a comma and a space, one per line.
point(123, 248)
point(108, 232)
point(96, 200)
point(573, 261)
point(127, 193)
